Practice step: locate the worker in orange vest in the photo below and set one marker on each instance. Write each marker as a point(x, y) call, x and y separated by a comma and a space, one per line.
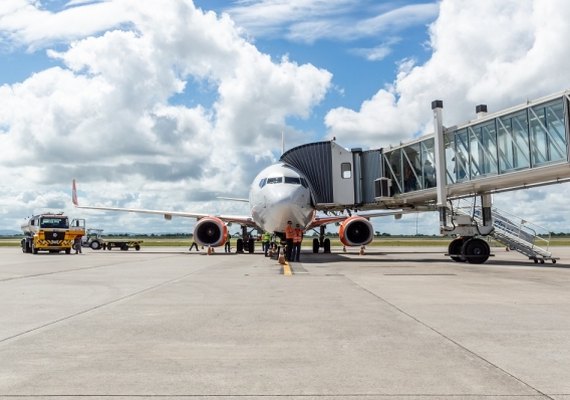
point(289, 238)
point(297, 240)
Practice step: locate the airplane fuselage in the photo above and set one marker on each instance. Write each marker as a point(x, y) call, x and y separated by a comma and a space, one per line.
point(279, 194)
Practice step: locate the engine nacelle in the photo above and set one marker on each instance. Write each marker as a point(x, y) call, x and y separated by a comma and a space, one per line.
point(356, 231)
point(210, 231)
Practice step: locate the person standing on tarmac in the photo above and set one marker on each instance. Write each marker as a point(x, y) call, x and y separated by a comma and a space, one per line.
point(297, 243)
point(77, 244)
point(265, 241)
point(289, 237)
point(228, 245)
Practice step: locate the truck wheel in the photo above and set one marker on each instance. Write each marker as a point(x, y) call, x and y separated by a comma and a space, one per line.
point(24, 247)
point(137, 247)
point(125, 247)
point(109, 247)
point(34, 250)
point(67, 251)
point(95, 245)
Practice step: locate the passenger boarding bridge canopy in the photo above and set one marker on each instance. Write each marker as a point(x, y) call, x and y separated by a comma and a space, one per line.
point(519, 147)
point(525, 138)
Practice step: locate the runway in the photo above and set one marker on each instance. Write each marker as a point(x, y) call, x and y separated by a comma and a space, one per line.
point(390, 324)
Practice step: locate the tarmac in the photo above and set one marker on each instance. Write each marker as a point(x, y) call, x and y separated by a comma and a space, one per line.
point(394, 323)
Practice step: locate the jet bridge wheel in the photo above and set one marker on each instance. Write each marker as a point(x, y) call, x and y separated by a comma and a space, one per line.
point(455, 248)
point(476, 251)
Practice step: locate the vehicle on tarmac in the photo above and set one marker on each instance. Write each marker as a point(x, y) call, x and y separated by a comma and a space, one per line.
point(93, 239)
point(51, 232)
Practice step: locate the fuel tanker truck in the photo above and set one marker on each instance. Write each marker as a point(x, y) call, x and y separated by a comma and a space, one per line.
point(51, 232)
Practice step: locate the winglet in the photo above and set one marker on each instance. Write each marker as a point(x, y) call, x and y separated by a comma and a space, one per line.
point(74, 194)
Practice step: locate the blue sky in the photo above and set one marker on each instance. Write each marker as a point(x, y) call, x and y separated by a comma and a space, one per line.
point(167, 108)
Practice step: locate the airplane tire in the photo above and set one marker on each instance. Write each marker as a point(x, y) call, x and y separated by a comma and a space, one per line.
point(315, 245)
point(327, 245)
point(477, 251)
point(455, 248)
point(239, 246)
point(251, 246)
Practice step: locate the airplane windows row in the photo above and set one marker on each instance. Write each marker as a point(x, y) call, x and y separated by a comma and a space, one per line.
point(292, 180)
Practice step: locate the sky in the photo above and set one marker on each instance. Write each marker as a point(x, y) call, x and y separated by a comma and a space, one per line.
point(169, 107)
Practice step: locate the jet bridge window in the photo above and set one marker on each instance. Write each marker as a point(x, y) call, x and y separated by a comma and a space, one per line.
point(346, 170)
point(292, 180)
point(277, 179)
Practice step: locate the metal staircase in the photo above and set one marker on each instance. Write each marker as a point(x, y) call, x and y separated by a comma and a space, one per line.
point(525, 237)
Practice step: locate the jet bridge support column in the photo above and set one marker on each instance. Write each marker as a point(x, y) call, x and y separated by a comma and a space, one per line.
point(486, 214)
point(437, 107)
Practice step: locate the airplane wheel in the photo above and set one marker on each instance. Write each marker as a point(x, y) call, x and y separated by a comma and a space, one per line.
point(315, 245)
point(251, 246)
point(239, 246)
point(455, 248)
point(477, 251)
point(327, 245)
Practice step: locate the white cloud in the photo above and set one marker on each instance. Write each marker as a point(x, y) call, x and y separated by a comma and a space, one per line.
point(309, 20)
point(104, 116)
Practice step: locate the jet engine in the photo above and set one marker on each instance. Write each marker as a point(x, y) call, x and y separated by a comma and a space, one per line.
point(210, 231)
point(356, 231)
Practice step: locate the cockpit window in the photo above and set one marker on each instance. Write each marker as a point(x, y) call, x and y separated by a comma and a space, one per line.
point(292, 180)
point(262, 182)
point(304, 183)
point(277, 179)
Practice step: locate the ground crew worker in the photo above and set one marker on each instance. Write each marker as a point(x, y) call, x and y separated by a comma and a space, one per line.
point(77, 244)
point(228, 246)
point(289, 236)
point(266, 239)
point(297, 243)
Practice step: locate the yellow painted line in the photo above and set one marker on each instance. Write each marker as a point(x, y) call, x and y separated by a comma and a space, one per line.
point(287, 269)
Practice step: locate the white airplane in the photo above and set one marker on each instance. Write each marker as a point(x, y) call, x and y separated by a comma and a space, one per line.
point(278, 194)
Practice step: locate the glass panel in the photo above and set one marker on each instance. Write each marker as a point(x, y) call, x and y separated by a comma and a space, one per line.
point(412, 167)
point(292, 180)
point(393, 168)
point(428, 162)
point(488, 149)
point(513, 142)
point(461, 155)
point(450, 157)
point(547, 133)
point(346, 170)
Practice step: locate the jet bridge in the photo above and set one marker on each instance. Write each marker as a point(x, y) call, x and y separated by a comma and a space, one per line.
point(520, 147)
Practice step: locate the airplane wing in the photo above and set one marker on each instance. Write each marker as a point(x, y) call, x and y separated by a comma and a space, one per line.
point(331, 219)
point(242, 220)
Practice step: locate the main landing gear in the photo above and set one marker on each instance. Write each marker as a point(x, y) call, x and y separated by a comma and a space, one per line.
point(471, 249)
point(323, 242)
